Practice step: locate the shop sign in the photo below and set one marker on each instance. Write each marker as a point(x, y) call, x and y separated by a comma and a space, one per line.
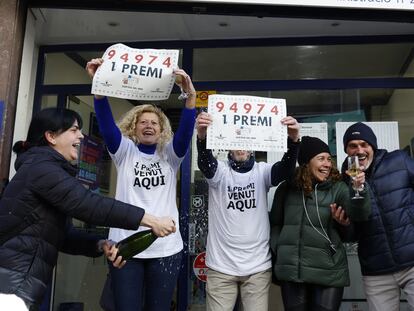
point(366, 4)
point(202, 98)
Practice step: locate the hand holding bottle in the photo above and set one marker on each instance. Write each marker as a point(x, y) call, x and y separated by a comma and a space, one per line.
point(161, 226)
point(164, 226)
point(111, 252)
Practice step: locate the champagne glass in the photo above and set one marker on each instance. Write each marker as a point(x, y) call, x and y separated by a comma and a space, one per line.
point(353, 171)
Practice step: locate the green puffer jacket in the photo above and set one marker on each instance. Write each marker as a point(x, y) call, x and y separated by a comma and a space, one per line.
point(303, 254)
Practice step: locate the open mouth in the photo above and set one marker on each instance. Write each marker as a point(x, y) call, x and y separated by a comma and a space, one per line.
point(324, 172)
point(362, 157)
point(148, 133)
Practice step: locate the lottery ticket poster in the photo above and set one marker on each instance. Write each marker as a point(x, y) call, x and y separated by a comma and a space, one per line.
point(138, 74)
point(246, 123)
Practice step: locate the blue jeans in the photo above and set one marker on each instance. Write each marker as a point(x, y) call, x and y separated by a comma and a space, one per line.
point(145, 284)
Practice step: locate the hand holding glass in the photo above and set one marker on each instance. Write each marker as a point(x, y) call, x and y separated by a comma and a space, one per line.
point(353, 171)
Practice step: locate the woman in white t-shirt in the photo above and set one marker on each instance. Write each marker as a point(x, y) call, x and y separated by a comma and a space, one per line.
point(147, 157)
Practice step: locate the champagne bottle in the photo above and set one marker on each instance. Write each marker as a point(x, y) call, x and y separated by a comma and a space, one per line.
point(135, 243)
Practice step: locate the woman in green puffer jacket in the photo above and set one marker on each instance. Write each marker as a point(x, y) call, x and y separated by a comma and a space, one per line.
point(311, 263)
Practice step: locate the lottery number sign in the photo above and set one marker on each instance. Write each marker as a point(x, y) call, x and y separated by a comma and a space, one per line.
point(246, 123)
point(140, 74)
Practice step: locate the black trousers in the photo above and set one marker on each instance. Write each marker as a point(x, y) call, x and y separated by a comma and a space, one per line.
point(310, 297)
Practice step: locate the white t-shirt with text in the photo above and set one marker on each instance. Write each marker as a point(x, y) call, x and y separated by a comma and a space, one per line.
point(238, 221)
point(150, 182)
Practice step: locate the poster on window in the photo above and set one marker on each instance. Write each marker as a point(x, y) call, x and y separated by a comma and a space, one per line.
point(89, 162)
point(138, 74)
point(246, 123)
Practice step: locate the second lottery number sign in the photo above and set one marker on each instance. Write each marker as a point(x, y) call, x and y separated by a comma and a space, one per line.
point(246, 123)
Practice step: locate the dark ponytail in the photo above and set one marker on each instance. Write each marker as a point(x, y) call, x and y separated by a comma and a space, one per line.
point(55, 120)
point(21, 146)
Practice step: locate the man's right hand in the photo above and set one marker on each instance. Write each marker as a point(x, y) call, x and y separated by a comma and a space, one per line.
point(203, 121)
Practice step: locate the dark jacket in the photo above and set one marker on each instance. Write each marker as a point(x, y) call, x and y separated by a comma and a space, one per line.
point(45, 188)
point(386, 240)
point(303, 254)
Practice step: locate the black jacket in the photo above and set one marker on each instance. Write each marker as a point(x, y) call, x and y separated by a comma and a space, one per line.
point(45, 187)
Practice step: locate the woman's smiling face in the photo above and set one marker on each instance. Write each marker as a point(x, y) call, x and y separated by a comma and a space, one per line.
point(67, 143)
point(148, 128)
point(320, 166)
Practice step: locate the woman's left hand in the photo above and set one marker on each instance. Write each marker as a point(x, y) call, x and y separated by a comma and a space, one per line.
point(339, 215)
point(183, 80)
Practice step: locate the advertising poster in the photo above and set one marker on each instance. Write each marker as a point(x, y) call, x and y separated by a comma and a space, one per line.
point(89, 161)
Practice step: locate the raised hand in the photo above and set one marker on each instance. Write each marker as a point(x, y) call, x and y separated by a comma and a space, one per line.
point(183, 80)
point(293, 127)
point(92, 66)
point(202, 122)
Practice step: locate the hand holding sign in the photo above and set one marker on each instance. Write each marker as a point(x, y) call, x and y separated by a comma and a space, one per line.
point(203, 121)
point(134, 73)
point(183, 80)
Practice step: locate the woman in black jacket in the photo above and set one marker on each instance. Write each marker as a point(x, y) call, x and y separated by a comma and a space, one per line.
point(37, 206)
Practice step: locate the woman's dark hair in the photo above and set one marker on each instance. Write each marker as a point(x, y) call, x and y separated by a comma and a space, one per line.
point(55, 120)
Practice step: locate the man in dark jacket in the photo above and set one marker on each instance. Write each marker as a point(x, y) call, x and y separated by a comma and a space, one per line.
point(386, 240)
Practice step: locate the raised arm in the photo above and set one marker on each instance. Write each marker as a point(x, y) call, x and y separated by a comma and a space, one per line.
point(182, 137)
point(107, 126)
point(285, 168)
point(207, 163)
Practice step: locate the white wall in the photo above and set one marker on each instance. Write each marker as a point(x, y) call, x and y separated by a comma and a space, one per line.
point(26, 86)
point(399, 108)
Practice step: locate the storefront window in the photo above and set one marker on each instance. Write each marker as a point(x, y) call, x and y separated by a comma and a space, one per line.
point(301, 62)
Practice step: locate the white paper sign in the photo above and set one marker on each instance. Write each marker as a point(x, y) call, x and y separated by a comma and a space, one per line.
point(140, 74)
point(246, 123)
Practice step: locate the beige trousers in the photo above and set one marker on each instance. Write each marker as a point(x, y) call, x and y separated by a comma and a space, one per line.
point(222, 290)
point(383, 291)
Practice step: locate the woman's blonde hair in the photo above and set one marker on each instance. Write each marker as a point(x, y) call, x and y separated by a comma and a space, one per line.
point(304, 178)
point(128, 124)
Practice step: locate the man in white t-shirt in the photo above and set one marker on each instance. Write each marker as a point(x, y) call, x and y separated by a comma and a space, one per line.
point(238, 253)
